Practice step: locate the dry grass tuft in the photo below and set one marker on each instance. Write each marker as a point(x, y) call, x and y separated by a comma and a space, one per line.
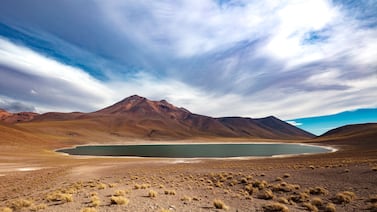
point(101, 186)
point(119, 193)
point(301, 197)
point(330, 207)
point(266, 194)
point(260, 184)
point(283, 200)
point(137, 186)
point(38, 207)
point(20, 203)
point(310, 207)
point(88, 210)
point(6, 209)
point(169, 192)
point(152, 194)
point(95, 201)
point(57, 196)
point(275, 207)
point(119, 200)
point(220, 204)
point(374, 168)
point(317, 201)
point(186, 199)
point(344, 197)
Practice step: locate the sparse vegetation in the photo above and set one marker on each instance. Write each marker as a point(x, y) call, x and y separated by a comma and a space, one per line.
point(169, 192)
point(152, 193)
point(283, 200)
point(57, 196)
point(88, 210)
point(330, 207)
point(38, 207)
point(219, 204)
point(318, 191)
point(95, 201)
point(275, 207)
point(344, 197)
point(119, 200)
point(119, 193)
point(266, 194)
point(310, 207)
point(6, 209)
point(20, 203)
point(316, 201)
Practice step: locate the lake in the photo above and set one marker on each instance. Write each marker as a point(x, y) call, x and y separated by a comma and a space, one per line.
point(195, 150)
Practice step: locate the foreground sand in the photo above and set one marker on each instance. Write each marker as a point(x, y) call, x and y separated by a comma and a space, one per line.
point(34, 178)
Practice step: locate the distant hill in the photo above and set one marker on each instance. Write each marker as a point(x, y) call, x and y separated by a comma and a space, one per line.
point(352, 130)
point(139, 117)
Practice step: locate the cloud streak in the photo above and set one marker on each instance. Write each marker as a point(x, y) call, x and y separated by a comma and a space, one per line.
point(220, 58)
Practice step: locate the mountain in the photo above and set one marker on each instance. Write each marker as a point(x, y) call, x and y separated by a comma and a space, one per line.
point(137, 116)
point(351, 130)
point(360, 135)
point(11, 118)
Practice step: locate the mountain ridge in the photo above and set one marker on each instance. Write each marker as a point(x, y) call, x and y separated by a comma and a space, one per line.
point(159, 119)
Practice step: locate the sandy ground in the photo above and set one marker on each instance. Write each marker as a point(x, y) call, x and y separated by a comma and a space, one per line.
point(46, 181)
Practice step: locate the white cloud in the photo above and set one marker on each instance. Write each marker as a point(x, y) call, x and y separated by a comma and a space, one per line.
point(294, 123)
point(63, 83)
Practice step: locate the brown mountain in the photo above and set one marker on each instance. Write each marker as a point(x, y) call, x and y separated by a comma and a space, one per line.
point(355, 135)
point(11, 118)
point(137, 116)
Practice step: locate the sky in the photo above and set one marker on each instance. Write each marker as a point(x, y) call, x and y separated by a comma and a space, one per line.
point(294, 59)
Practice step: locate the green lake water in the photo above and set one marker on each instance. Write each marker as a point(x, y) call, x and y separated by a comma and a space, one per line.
point(194, 150)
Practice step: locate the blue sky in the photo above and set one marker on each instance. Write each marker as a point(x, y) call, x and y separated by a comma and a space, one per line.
point(292, 59)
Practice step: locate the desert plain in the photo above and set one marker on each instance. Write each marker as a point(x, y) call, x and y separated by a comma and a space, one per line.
point(33, 177)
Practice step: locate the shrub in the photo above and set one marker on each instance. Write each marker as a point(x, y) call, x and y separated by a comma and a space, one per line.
point(330, 207)
point(317, 201)
point(169, 192)
point(275, 207)
point(266, 194)
point(283, 200)
point(57, 196)
point(101, 186)
point(260, 184)
point(21, 203)
point(6, 209)
point(88, 210)
point(301, 197)
point(95, 201)
point(344, 197)
point(220, 204)
point(119, 200)
point(374, 168)
point(120, 193)
point(310, 207)
point(152, 194)
point(145, 186)
point(186, 199)
point(38, 207)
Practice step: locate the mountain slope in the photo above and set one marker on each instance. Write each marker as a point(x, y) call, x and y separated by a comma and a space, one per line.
point(137, 116)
